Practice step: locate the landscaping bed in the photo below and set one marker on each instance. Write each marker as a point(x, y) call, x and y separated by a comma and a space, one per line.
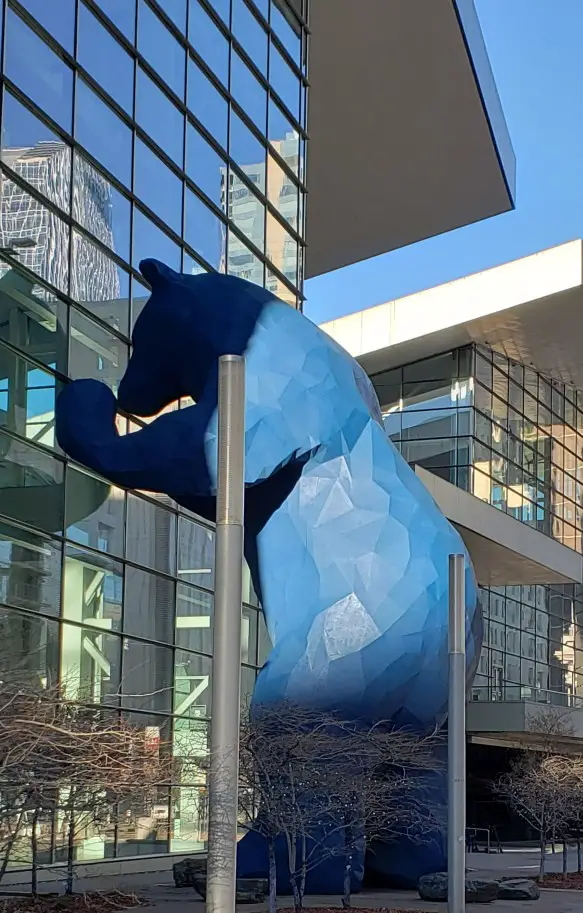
point(573, 881)
point(91, 902)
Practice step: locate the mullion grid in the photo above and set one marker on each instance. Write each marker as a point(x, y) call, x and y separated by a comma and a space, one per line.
point(559, 498)
point(69, 302)
point(138, 131)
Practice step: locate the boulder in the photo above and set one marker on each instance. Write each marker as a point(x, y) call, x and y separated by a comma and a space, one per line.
point(518, 889)
point(478, 890)
point(249, 890)
point(187, 869)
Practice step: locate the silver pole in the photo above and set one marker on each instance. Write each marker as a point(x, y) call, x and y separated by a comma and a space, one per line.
point(226, 684)
point(456, 742)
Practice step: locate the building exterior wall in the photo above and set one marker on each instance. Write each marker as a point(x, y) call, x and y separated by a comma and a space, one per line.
point(122, 125)
point(511, 437)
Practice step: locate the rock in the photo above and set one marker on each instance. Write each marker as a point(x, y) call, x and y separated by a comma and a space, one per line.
point(249, 890)
point(478, 890)
point(518, 889)
point(185, 871)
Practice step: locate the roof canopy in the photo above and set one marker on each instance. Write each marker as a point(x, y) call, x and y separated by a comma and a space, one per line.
point(407, 135)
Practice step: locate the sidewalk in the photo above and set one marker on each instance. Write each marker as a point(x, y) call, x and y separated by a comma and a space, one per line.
point(185, 899)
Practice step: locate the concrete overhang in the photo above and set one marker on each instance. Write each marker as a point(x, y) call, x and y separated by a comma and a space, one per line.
point(504, 551)
point(407, 134)
point(521, 724)
point(530, 309)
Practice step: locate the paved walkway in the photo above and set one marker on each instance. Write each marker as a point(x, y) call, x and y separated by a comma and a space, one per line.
point(157, 889)
point(184, 899)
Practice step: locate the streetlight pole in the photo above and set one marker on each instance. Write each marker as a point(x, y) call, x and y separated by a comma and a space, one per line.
point(456, 741)
point(226, 683)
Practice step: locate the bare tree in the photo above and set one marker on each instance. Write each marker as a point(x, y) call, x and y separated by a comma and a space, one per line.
point(567, 772)
point(61, 760)
point(535, 790)
point(327, 786)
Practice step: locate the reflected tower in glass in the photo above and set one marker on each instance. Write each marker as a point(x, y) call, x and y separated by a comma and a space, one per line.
point(129, 128)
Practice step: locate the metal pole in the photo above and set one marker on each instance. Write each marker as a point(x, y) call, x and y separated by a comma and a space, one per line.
point(226, 684)
point(456, 742)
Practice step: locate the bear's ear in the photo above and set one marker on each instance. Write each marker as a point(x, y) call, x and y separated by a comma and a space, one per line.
point(154, 271)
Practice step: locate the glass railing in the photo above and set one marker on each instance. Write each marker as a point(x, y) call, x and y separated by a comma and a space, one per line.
point(525, 694)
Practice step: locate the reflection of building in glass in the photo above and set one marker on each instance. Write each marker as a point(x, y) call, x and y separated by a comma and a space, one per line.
point(248, 213)
point(39, 236)
point(110, 591)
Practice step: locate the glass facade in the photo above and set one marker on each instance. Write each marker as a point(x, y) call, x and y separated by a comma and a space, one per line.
point(513, 438)
point(173, 129)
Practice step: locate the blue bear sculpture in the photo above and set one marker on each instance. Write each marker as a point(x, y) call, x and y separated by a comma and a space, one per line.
point(347, 550)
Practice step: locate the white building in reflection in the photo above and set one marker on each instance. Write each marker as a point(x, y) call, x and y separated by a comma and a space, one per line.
point(41, 238)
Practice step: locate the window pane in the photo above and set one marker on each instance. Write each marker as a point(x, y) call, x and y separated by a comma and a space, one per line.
point(99, 284)
point(242, 262)
point(196, 553)
point(282, 249)
point(38, 71)
point(90, 665)
point(284, 137)
point(147, 676)
point(247, 212)
point(121, 14)
point(158, 187)
point(248, 92)
point(264, 641)
point(191, 265)
point(288, 36)
point(161, 49)
point(94, 352)
point(205, 166)
point(194, 610)
point(282, 192)
point(159, 117)
point(274, 284)
point(35, 153)
point(285, 82)
point(151, 535)
point(94, 512)
point(140, 295)
point(30, 570)
point(249, 636)
point(103, 133)
point(192, 685)
point(32, 319)
point(31, 485)
point(209, 41)
point(93, 589)
point(27, 399)
point(247, 151)
point(151, 241)
point(176, 9)
point(251, 34)
point(100, 207)
point(204, 231)
point(41, 237)
point(148, 605)
point(206, 103)
point(105, 59)
point(30, 648)
point(57, 18)
point(223, 8)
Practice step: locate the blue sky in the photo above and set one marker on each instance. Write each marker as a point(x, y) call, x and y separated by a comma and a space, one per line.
point(536, 51)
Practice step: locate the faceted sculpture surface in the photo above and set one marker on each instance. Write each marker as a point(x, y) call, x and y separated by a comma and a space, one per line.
point(347, 550)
